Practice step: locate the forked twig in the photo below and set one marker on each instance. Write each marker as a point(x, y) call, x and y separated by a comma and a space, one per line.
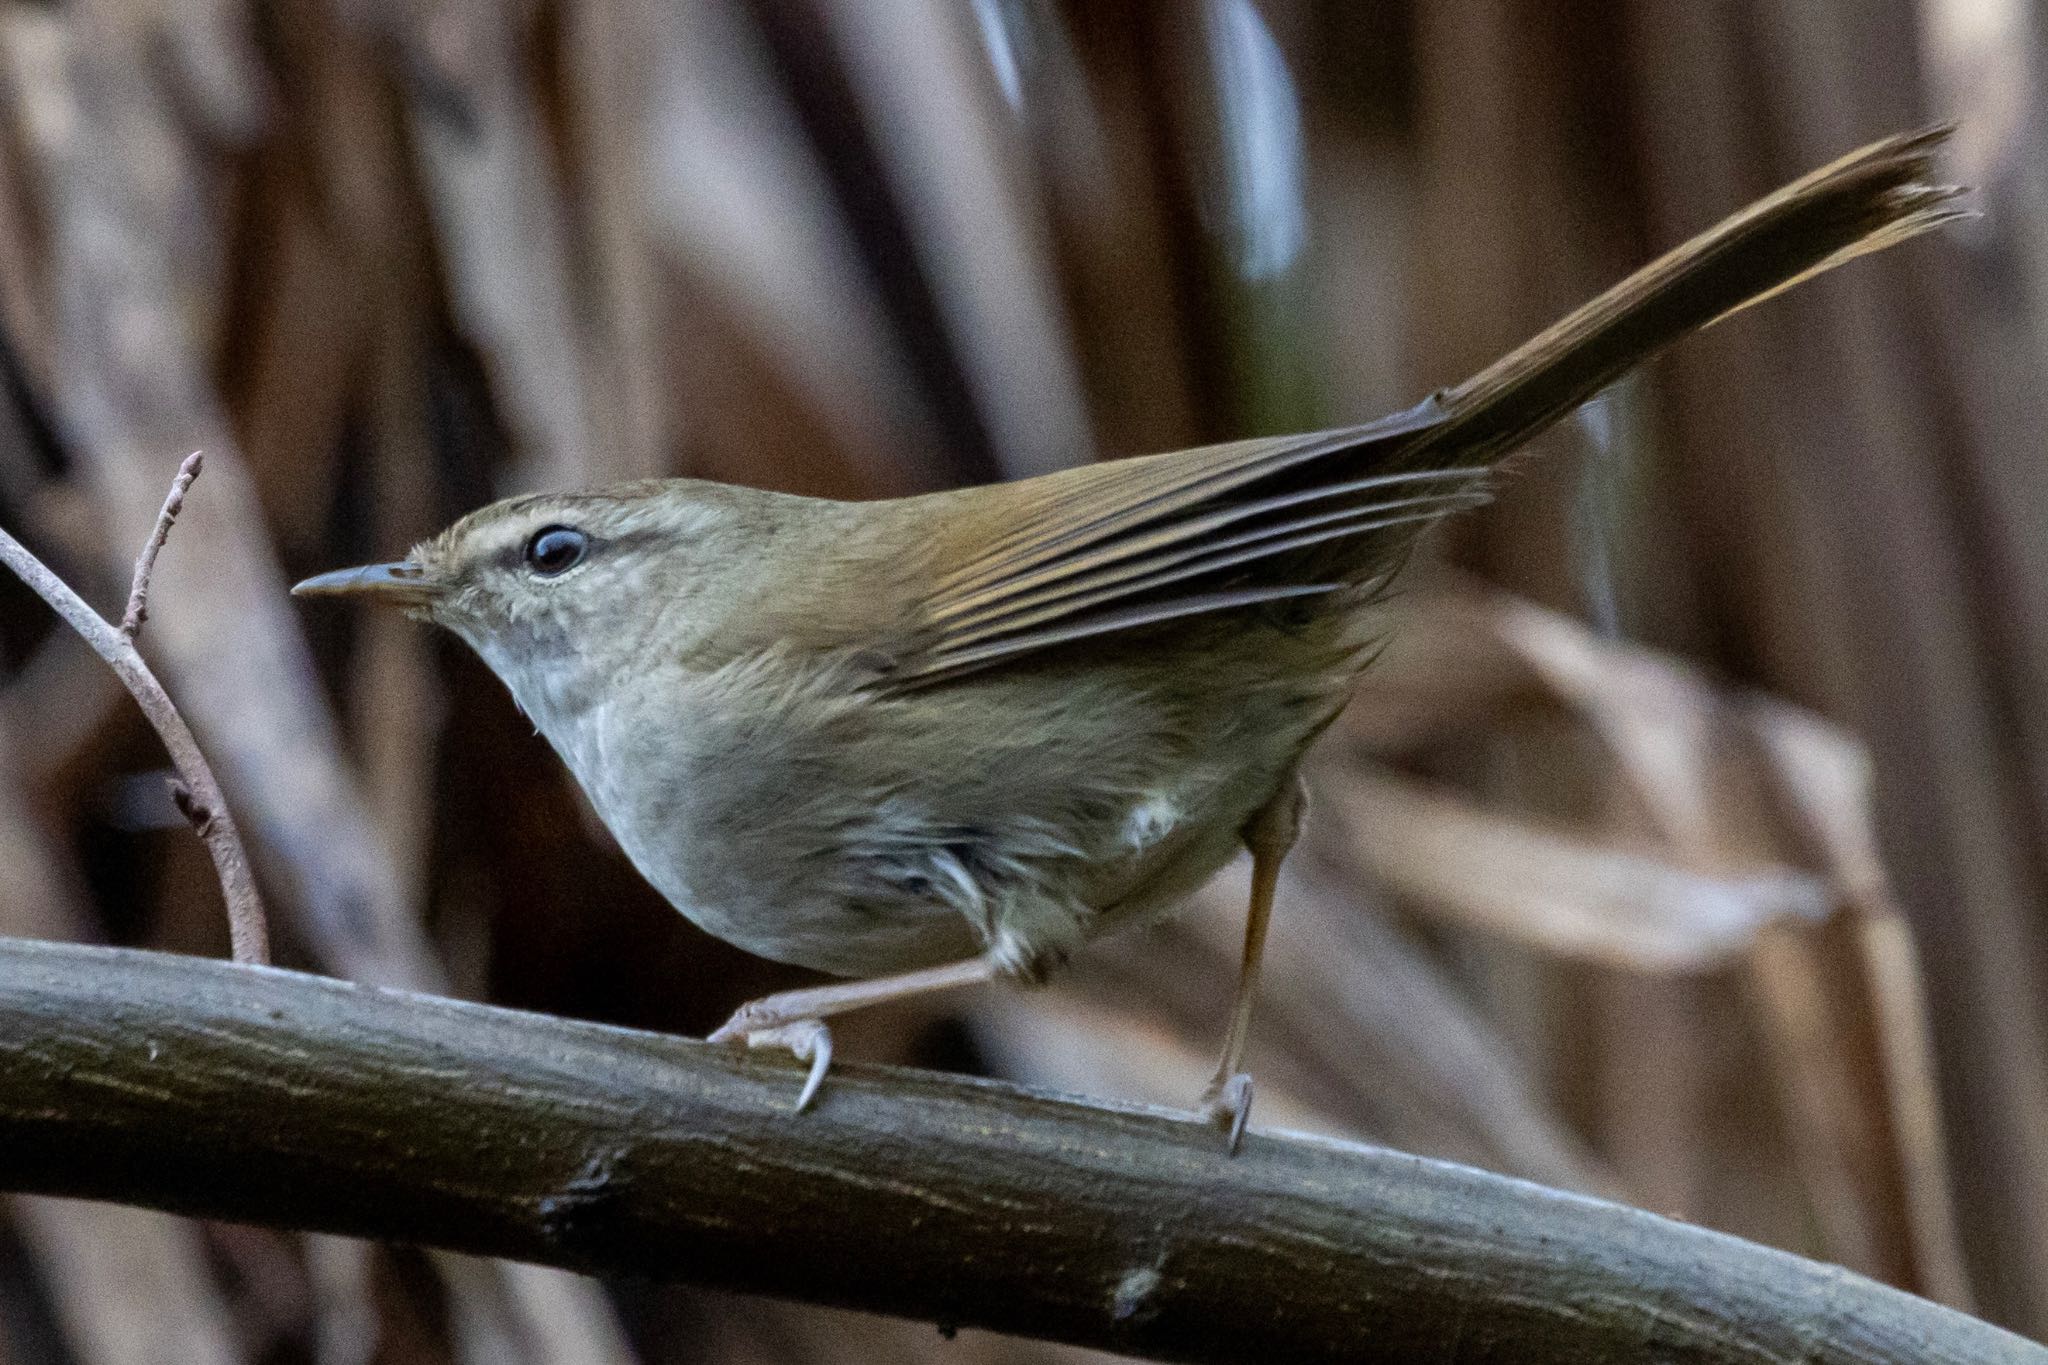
point(196, 792)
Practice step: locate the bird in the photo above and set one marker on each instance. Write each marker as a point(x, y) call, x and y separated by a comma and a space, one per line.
point(925, 742)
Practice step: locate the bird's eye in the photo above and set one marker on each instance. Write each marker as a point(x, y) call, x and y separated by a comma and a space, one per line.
point(556, 550)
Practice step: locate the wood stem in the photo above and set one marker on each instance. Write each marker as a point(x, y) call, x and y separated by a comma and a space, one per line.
point(145, 561)
point(299, 1102)
point(197, 794)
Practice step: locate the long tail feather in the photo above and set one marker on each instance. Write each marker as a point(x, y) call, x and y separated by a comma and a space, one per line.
point(1869, 200)
point(1135, 543)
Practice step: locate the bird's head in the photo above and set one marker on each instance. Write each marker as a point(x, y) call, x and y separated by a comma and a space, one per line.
point(557, 583)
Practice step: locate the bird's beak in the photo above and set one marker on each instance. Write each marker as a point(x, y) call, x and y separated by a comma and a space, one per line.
point(401, 582)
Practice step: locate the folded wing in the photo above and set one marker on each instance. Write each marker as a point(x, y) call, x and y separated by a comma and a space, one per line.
point(1121, 546)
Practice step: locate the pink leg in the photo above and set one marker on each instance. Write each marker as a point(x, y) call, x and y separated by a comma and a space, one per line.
point(795, 1019)
point(1269, 835)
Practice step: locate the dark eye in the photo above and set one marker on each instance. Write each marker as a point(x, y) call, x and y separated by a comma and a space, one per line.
point(556, 549)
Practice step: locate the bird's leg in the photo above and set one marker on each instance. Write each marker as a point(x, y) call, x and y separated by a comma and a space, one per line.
point(1269, 834)
point(796, 1019)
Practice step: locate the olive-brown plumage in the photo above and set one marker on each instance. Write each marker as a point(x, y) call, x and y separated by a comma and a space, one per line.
point(981, 727)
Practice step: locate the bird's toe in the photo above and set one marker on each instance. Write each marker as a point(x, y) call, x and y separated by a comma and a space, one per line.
point(807, 1039)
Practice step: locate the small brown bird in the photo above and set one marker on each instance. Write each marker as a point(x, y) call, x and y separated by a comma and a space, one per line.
point(944, 739)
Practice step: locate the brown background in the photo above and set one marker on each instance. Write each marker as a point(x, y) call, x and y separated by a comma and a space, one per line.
point(384, 261)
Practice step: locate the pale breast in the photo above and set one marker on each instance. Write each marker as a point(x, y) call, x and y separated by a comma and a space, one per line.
point(793, 816)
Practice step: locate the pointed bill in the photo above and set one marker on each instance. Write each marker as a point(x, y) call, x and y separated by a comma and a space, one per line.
point(400, 581)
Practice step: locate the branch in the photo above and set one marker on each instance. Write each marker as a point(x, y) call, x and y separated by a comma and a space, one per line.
point(273, 1097)
point(197, 793)
point(145, 562)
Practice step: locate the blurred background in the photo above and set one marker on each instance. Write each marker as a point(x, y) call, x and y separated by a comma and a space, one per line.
point(1690, 846)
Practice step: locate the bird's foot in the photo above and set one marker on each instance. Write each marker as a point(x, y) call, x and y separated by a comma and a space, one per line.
point(808, 1039)
point(1227, 1104)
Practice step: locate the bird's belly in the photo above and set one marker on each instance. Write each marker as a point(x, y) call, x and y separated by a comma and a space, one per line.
point(764, 891)
point(864, 839)
point(825, 908)
point(838, 936)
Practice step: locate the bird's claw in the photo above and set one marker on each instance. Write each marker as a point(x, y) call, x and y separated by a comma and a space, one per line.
point(1227, 1104)
point(808, 1039)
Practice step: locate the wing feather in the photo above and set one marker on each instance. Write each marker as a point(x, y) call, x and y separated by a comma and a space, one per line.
point(1133, 543)
point(1132, 578)
point(1095, 505)
point(1121, 546)
point(1152, 545)
point(942, 665)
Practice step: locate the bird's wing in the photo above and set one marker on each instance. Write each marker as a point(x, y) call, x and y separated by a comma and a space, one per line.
point(1131, 543)
point(1125, 545)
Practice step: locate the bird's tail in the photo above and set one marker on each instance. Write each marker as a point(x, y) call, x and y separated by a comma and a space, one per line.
point(1867, 201)
point(1131, 544)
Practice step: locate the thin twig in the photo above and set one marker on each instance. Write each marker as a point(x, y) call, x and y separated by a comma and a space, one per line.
point(145, 562)
point(197, 793)
point(289, 1100)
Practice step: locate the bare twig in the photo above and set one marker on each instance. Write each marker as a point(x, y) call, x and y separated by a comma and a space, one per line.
point(197, 793)
point(145, 562)
point(280, 1098)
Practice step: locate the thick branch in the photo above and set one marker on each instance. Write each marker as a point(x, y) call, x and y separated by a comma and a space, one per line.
point(278, 1098)
point(198, 794)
